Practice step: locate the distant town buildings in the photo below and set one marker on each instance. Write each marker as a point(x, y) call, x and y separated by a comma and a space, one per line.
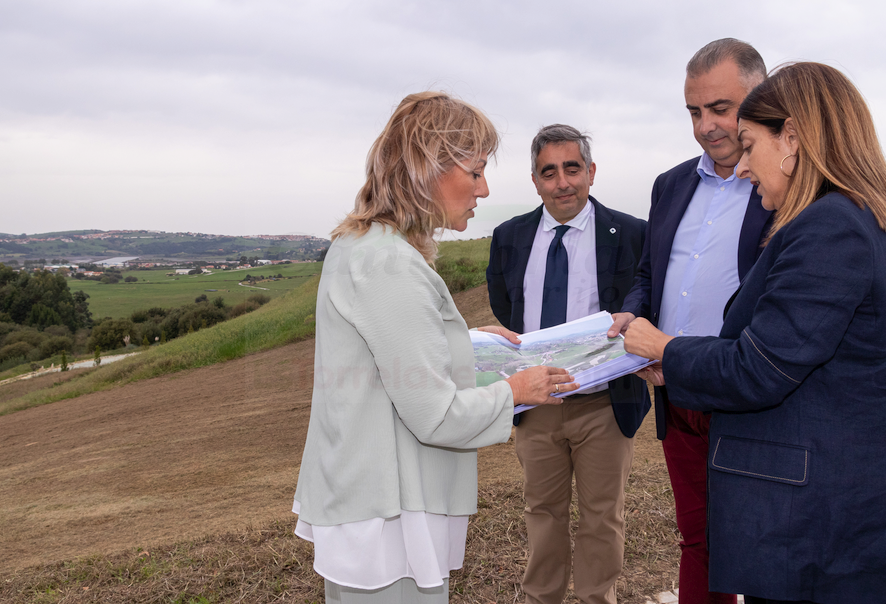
point(143, 234)
point(161, 250)
point(120, 261)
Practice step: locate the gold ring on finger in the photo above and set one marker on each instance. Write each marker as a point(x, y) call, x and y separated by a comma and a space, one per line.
point(557, 387)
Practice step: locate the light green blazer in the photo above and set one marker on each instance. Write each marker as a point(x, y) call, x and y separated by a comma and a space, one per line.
point(396, 416)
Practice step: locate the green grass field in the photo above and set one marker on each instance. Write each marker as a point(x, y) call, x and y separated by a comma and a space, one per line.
point(462, 264)
point(287, 319)
point(155, 288)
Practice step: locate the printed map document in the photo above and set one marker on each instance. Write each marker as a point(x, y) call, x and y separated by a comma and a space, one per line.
point(581, 347)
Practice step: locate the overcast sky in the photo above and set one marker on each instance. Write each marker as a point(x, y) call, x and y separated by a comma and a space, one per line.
point(249, 117)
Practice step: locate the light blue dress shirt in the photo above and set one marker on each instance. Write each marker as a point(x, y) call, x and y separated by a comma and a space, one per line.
point(703, 266)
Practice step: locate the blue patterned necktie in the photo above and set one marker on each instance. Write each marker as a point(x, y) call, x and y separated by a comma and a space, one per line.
point(553, 302)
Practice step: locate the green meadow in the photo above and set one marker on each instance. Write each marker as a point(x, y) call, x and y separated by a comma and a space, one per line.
point(288, 317)
point(155, 288)
point(462, 264)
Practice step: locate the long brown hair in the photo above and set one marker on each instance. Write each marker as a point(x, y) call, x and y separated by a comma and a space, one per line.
point(428, 134)
point(838, 145)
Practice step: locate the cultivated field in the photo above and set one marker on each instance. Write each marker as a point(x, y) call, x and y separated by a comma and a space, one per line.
point(155, 288)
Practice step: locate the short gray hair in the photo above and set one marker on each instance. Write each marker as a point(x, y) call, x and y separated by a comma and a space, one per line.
point(750, 63)
point(559, 133)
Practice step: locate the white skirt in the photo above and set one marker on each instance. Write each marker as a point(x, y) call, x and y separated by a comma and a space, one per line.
point(373, 553)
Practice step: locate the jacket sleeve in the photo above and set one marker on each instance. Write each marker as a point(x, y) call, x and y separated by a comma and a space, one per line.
point(499, 300)
point(639, 300)
point(822, 272)
point(397, 313)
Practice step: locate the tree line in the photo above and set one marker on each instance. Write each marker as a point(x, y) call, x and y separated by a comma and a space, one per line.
point(40, 318)
point(158, 325)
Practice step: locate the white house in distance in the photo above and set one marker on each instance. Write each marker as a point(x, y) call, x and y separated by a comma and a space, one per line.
point(119, 261)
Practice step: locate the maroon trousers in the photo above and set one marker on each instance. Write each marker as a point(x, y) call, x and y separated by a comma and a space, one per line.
point(686, 452)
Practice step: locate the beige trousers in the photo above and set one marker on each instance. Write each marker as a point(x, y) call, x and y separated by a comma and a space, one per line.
point(580, 438)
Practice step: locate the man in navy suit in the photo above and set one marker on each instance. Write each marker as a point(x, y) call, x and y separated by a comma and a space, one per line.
point(705, 230)
point(589, 435)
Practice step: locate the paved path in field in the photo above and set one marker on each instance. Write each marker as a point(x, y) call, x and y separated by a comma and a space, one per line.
point(74, 365)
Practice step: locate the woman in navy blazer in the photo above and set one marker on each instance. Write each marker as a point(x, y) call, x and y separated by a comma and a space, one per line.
point(797, 379)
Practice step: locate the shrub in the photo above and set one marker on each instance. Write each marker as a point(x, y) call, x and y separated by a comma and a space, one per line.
point(81, 337)
point(149, 330)
point(54, 345)
point(110, 333)
point(57, 330)
point(200, 315)
point(259, 299)
point(155, 313)
point(25, 334)
point(6, 327)
point(169, 325)
point(15, 362)
point(15, 350)
point(242, 309)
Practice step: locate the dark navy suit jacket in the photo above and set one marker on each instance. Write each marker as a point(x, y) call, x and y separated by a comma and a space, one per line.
point(671, 195)
point(619, 242)
point(797, 385)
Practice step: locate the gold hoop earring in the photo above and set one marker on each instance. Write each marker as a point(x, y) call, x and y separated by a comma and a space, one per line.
point(781, 165)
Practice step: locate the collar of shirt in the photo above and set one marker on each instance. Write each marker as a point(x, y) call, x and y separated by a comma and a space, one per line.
point(580, 222)
point(707, 171)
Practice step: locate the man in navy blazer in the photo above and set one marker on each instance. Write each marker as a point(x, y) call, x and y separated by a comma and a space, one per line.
point(705, 232)
point(590, 435)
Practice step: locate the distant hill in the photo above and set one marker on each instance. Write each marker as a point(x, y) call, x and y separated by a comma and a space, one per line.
point(158, 244)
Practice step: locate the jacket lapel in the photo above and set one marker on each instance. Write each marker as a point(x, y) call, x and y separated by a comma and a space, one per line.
point(521, 244)
point(684, 189)
point(757, 221)
point(608, 236)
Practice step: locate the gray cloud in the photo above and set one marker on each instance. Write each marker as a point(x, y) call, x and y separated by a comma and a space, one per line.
point(244, 117)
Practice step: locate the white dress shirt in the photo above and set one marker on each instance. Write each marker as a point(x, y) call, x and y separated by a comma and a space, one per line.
point(582, 298)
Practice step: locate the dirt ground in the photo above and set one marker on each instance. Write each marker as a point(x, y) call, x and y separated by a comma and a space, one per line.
point(177, 457)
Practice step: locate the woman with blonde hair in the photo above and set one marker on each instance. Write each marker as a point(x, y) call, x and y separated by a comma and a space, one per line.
point(797, 379)
point(389, 472)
